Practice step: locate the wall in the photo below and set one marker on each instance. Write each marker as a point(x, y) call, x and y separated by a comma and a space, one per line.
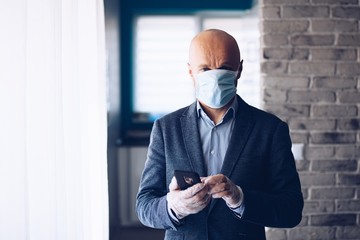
point(310, 72)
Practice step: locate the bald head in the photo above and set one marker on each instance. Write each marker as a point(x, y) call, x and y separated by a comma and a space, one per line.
point(213, 49)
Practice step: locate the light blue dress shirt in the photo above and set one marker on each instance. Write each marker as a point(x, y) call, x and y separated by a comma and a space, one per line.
point(215, 138)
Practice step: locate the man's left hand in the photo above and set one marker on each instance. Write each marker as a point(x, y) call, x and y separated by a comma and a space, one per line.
point(222, 187)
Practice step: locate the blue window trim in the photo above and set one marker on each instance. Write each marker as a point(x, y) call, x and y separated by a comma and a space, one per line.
point(132, 133)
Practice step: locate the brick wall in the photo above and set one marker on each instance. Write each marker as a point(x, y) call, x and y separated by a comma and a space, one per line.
point(310, 72)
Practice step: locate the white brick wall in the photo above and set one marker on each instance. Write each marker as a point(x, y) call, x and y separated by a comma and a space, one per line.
point(310, 69)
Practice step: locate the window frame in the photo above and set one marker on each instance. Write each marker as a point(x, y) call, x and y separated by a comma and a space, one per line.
point(138, 133)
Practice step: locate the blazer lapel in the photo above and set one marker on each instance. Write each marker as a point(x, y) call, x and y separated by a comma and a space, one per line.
point(191, 136)
point(240, 134)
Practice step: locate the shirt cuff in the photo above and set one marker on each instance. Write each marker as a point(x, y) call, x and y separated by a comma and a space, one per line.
point(173, 215)
point(239, 208)
point(239, 211)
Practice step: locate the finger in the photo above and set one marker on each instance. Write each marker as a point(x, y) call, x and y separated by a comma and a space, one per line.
point(215, 179)
point(197, 204)
point(223, 194)
point(194, 204)
point(223, 190)
point(200, 197)
point(193, 190)
point(193, 209)
point(173, 185)
point(220, 187)
point(207, 198)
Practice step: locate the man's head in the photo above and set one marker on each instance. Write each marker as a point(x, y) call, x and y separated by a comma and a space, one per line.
point(214, 66)
point(214, 49)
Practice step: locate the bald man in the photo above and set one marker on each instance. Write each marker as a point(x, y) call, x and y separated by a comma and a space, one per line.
point(243, 155)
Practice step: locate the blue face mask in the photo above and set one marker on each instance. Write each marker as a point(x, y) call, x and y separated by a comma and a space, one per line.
point(215, 87)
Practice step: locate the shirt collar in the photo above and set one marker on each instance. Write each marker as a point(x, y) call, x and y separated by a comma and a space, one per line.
point(231, 111)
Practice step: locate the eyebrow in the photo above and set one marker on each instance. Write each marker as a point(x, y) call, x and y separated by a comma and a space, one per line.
point(222, 66)
point(203, 66)
point(226, 66)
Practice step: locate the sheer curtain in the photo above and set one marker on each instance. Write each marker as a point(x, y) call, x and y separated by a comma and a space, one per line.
point(53, 166)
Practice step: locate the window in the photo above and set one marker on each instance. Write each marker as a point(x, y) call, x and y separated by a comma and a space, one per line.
point(155, 78)
point(162, 83)
point(160, 71)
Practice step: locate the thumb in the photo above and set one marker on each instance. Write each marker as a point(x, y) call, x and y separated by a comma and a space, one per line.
point(173, 185)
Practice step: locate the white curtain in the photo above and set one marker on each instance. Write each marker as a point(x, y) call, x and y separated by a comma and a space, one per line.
point(53, 166)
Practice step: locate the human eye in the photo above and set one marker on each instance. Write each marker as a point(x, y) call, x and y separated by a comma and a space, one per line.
point(226, 68)
point(204, 69)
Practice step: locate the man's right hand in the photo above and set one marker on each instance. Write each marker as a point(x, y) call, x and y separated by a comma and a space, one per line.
point(189, 201)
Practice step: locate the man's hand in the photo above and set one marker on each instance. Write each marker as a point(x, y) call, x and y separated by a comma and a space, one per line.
point(189, 201)
point(222, 187)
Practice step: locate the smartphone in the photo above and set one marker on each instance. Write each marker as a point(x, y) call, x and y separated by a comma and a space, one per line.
point(186, 179)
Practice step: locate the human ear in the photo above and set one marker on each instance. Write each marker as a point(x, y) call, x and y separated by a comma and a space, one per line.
point(240, 69)
point(190, 70)
point(191, 74)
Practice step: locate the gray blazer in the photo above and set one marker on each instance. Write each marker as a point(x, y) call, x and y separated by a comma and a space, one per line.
point(258, 159)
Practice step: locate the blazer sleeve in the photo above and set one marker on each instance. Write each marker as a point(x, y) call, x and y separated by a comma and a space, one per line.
point(151, 204)
point(281, 204)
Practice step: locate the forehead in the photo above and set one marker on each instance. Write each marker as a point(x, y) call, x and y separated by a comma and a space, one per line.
point(214, 50)
point(210, 57)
